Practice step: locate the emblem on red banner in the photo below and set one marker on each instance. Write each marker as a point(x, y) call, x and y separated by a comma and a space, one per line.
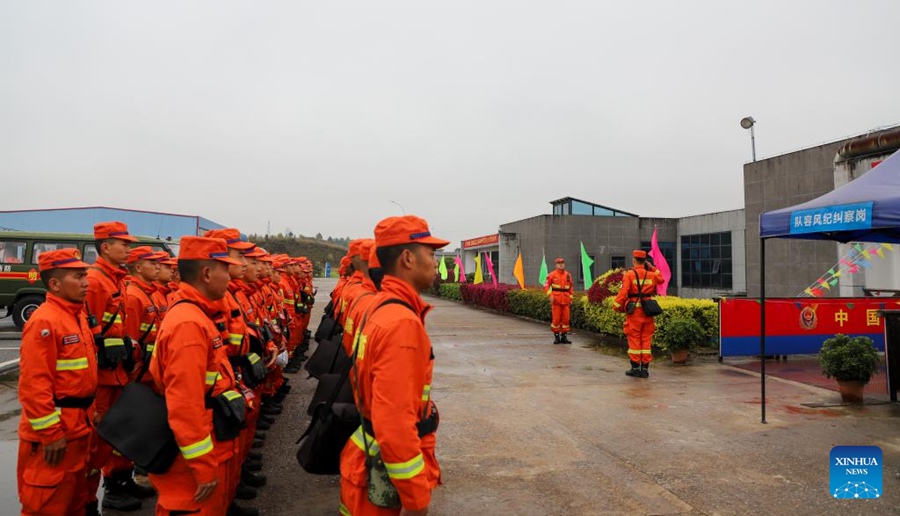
point(808, 319)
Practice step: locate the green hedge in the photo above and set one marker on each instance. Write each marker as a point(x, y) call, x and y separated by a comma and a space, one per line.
point(600, 317)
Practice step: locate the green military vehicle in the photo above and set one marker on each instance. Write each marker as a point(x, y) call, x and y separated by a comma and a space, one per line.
point(21, 290)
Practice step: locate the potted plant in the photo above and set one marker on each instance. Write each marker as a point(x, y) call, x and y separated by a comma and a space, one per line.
point(679, 336)
point(851, 361)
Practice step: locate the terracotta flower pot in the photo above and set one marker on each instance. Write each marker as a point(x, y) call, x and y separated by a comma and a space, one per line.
point(851, 391)
point(679, 356)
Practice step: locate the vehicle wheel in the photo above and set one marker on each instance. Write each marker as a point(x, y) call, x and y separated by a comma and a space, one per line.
point(24, 307)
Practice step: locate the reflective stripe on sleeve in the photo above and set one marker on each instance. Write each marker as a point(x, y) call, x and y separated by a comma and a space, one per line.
point(108, 317)
point(357, 439)
point(406, 470)
point(235, 339)
point(47, 421)
point(211, 377)
point(344, 510)
point(72, 364)
point(426, 392)
point(148, 326)
point(198, 449)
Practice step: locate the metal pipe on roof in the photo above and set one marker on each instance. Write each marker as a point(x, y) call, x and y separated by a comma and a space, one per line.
point(876, 144)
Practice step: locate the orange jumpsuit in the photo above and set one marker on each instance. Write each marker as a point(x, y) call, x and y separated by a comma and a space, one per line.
point(161, 299)
point(58, 361)
point(141, 318)
point(561, 290)
point(189, 361)
point(639, 327)
point(355, 310)
point(348, 294)
point(105, 301)
point(395, 363)
point(289, 300)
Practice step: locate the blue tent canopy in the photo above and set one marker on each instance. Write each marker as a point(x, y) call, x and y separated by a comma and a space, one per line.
point(866, 209)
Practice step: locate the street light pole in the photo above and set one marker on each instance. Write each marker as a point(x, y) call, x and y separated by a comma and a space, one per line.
point(400, 205)
point(747, 123)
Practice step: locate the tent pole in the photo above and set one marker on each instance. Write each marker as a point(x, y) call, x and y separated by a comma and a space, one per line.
point(762, 325)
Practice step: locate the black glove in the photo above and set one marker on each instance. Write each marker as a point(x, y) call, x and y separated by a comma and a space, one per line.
point(109, 356)
point(128, 360)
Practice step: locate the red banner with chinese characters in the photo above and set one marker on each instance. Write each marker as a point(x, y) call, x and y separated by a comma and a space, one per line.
point(480, 241)
point(798, 325)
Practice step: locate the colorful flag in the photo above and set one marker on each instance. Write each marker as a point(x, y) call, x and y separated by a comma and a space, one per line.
point(479, 276)
point(442, 268)
point(490, 266)
point(519, 271)
point(586, 263)
point(456, 273)
point(542, 278)
point(660, 262)
point(460, 269)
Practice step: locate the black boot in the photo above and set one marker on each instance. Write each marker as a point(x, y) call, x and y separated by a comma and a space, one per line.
point(236, 510)
point(556, 338)
point(254, 455)
point(635, 370)
point(245, 492)
point(253, 479)
point(252, 465)
point(116, 497)
point(645, 370)
point(133, 488)
point(565, 339)
point(90, 509)
point(263, 425)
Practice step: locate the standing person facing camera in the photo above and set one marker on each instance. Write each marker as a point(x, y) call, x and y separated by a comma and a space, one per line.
point(561, 290)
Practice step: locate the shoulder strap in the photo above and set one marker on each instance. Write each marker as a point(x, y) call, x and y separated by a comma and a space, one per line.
point(112, 320)
point(156, 308)
point(188, 301)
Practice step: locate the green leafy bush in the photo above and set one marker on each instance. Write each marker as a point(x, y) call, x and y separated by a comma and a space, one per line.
point(532, 303)
point(849, 358)
point(680, 333)
point(450, 291)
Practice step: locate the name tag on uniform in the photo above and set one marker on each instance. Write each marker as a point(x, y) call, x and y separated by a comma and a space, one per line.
point(217, 342)
point(71, 339)
point(151, 309)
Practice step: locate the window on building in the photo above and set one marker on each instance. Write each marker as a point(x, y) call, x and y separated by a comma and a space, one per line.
point(12, 252)
point(89, 255)
point(580, 208)
point(42, 247)
point(668, 251)
point(616, 262)
point(706, 261)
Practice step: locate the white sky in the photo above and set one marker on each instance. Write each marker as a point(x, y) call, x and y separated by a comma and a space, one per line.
point(315, 115)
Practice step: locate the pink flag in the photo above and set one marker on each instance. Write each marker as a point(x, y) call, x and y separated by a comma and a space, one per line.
point(490, 264)
point(462, 270)
point(660, 262)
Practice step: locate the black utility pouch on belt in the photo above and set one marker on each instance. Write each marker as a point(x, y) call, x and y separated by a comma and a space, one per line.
point(229, 409)
point(253, 370)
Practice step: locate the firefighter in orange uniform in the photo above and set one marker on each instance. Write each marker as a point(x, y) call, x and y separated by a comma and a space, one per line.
point(163, 284)
point(345, 270)
point(116, 358)
point(190, 368)
point(641, 281)
point(141, 312)
point(57, 385)
point(361, 297)
point(561, 290)
point(394, 368)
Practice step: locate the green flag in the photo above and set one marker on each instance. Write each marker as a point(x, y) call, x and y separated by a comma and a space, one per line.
point(456, 273)
point(442, 268)
point(543, 274)
point(586, 263)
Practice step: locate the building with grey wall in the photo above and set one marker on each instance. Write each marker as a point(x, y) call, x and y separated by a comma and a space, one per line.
point(800, 176)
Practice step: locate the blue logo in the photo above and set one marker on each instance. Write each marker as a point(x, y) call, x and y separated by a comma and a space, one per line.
point(856, 472)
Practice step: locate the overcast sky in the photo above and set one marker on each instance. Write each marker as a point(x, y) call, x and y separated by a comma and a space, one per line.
point(314, 116)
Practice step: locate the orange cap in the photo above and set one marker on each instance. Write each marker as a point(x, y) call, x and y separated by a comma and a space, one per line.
point(232, 238)
point(354, 247)
point(61, 259)
point(373, 259)
point(143, 252)
point(639, 254)
point(265, 256)
point(365, 249)
point(169, 261)
point(560, 260)
point(255, 252)
point(407, 229)
point(204, 248)
point(104, 230)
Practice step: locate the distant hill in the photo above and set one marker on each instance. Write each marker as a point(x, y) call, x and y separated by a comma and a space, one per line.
point(317, 250)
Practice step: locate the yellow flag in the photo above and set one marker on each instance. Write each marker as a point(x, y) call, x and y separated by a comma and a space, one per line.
point(519, 271)
point(479, 276)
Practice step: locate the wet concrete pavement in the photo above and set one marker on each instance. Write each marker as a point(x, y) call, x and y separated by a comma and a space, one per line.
point(529, 428)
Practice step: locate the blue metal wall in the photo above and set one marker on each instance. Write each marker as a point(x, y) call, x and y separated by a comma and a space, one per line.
point(82, 220)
